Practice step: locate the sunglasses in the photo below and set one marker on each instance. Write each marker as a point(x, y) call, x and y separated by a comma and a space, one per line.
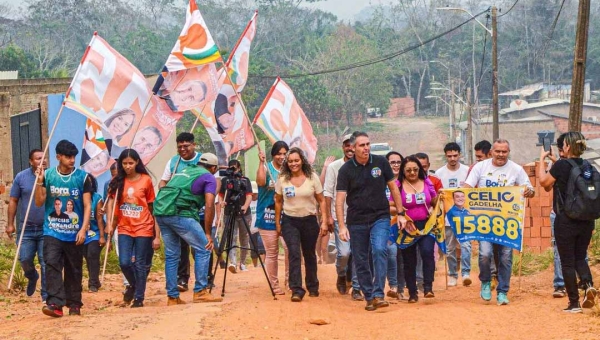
point(395, 162)
point(415, 170)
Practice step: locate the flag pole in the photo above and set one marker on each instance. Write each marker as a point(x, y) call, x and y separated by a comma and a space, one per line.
point(46, 147)
point(110, 221)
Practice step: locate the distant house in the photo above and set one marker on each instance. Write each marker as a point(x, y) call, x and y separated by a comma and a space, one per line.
point(401, 107)
point(9, 75)
point(544, 91)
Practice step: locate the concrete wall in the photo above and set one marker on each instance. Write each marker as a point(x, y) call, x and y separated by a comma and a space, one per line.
point(521, 135)
point(18, 96)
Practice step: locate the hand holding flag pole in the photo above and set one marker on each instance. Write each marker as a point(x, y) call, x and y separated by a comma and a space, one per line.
point(46, 147)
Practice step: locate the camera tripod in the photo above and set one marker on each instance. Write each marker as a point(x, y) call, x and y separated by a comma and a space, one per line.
point(226, 244)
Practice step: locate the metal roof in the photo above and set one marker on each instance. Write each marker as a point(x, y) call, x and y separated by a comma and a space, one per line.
point(5, 75)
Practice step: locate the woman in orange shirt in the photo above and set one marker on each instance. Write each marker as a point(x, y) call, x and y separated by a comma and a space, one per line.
point(139, 234)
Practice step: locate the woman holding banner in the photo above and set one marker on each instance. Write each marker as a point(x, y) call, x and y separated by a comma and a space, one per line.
point(139, 234)
point(572, 236)
point(418, 197)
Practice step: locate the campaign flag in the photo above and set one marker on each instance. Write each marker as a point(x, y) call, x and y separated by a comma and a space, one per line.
point(487, 214)
point(95, 155)
point(239, 59)
point(109, 90)
point(188, 89)
point(157, 125)
point(195, 45)
point(434, 227)
point(208, 120)
point(281, 118)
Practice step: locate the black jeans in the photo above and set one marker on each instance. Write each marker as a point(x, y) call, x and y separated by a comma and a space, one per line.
point(400, 271)
point(409, 255)
point(572, 240)
point(91, 253)
point(300, 235)
point(60, 255)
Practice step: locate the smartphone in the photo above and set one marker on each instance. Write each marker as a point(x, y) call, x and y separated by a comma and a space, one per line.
point(546, 144)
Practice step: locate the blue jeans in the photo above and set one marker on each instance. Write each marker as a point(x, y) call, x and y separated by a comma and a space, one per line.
point(136, 271)
point(504, 265)
point(33, 242)
point(174, 228)
point(558, 281)
point(374, 236)
point(465, 254)
point(343, 255)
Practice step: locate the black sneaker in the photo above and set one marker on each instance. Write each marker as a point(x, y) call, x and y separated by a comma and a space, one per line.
point(356, 295)
point(296, 297)
point(313, 294)
point(589, 297)
point(32, 284)
point(341, 285)
point(52, 310)
point(429, 294)
point(128, 294)
point(559, 292)
point(413, 298)
point(370, 306)
point(75, 310)
point(93, 289)
point(137, 303)
point(182, 286)
point(573, 308)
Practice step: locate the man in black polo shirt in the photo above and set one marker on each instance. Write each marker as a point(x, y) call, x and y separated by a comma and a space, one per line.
point(361, 184)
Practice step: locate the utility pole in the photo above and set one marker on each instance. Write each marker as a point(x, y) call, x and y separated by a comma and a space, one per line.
point(578, 83)
point(496, 127)
point(452, 115)
point(469, 126)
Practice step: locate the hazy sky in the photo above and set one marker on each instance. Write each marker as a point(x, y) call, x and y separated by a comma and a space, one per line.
point(343, 9)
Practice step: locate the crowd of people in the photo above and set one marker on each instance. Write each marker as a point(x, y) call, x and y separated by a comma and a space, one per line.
point(355, 198)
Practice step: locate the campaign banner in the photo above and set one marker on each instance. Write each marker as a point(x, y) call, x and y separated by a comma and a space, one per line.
point(487, 214)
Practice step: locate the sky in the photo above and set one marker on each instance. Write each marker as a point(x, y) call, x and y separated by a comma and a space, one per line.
point(343, 9)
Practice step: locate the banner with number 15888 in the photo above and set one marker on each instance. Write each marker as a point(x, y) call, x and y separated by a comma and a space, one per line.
point(486, 214)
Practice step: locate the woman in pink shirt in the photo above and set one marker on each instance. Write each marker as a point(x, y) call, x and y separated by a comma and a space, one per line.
point(418, 198)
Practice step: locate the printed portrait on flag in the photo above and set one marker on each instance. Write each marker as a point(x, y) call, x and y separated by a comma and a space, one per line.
point(109, 90)
point(95, 155)
point(281, 118)
point(187, 89)
point(155, 128)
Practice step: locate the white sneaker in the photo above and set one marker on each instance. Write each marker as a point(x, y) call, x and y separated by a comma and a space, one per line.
point(232, 268)
point(466, 280)
point(243, 268)
point(451, 281)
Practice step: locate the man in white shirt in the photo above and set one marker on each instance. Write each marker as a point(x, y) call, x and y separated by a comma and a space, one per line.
point(453, 175)
point(498, 171)
point(343, 247)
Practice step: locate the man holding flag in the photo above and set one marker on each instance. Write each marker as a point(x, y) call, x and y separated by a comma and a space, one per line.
point(498, 171)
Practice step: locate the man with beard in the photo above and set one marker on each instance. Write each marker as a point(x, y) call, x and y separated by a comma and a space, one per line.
point(343, 247)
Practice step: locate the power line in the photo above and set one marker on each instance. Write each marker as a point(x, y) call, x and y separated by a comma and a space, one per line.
point(369, 62)
point(510, 9)
point(547, 42)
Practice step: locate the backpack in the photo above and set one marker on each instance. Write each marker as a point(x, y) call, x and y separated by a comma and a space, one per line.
point(582, 198)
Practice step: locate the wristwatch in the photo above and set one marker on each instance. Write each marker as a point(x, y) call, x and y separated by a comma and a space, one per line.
point(403, 213)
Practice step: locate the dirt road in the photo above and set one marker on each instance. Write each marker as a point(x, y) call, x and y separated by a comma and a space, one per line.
point(249, 312)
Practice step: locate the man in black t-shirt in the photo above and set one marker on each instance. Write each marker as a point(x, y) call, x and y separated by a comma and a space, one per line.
point(240, 232)
point(361, 183)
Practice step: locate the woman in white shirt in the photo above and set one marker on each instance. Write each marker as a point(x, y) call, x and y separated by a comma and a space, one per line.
point(297, 192)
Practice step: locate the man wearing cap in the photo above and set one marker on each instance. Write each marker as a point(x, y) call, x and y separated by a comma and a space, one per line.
point(176, 210)
point(343, 247)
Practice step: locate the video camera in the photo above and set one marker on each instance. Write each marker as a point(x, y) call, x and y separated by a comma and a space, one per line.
point(234, 185)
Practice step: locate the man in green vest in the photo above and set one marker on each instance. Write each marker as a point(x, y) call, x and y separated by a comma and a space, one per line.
point(176, 209)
